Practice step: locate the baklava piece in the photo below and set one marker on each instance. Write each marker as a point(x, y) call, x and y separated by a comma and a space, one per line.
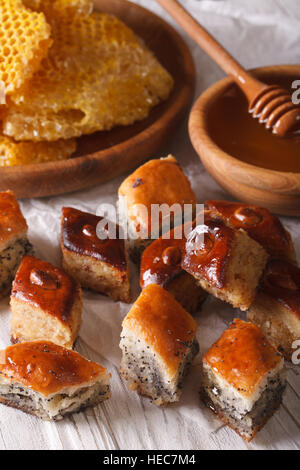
point(225, 261)
point(49, 381)
point(45, 303)
point(260, 225)
point(13, 240)
point(161, 264)
point(97, 260)
point(158, 344)
point(158, 182)
point(243, 379)
point(276, 309)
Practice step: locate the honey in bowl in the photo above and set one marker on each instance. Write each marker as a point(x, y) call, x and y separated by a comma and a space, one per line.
point(234, 130)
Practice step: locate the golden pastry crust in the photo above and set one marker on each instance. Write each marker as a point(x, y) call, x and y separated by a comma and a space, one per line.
point(276, 309)
point(12, 222)
point(281, 281)
point(13, 240)
point(47, 287)
point(161, 264)
point(159, 181)
point(227, 262)
point(211, 261)
point(47, 368)
point(161, 260)
point(79, 234)
point(100, 265)
point(242, 356)
point(46, 304)
point(160, 321)
point(260, 225)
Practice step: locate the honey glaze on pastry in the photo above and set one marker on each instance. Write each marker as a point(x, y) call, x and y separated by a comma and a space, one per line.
point(44, 280)
point(50, 381)
point(276, 309)
point(260, 225)
point(11, 218)
point(243, 378)
point(158, 343)
point(225, 261)
point(45, 303)
point(46, 287)
point(161, 261)
point(242, 356)
point(210, 258)
point(96, 258)
point(30, 363)
point(79, 234)
point(171, 256)
point(161, 264)
point(282, 282)
point(158, 182)
point(14, 243)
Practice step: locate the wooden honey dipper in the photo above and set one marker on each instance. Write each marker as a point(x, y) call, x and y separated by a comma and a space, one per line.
point(270, 104)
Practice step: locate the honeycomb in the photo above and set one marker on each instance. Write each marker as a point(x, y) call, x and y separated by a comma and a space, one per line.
point(24, 42)
point(98, 74)
point(54, 8)
point(22, 153)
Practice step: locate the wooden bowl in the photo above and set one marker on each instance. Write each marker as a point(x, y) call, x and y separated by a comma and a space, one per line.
point(104, 155)
point(276, 190)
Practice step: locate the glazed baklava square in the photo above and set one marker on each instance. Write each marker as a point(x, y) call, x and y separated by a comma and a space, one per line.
point(45, 303)
point(161, 264)
point(243, 378)
point(14, 243)
point(49, 381)
point(98, 261)
point(260, 224)
point(225, 261)
point(276, 309)
point(158, 343)
point(157, 183)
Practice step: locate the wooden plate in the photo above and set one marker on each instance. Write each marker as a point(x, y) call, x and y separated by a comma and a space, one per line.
point(104, 155)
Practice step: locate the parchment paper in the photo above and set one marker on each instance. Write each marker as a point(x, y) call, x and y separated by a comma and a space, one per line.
point(257, 33)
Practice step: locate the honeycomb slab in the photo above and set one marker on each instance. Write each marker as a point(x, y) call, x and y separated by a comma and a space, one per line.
point(24, 42)
point(22, 153)
point(55, 8)
point(98, 74)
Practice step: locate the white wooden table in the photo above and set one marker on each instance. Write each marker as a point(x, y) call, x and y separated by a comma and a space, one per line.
point(127, 421)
